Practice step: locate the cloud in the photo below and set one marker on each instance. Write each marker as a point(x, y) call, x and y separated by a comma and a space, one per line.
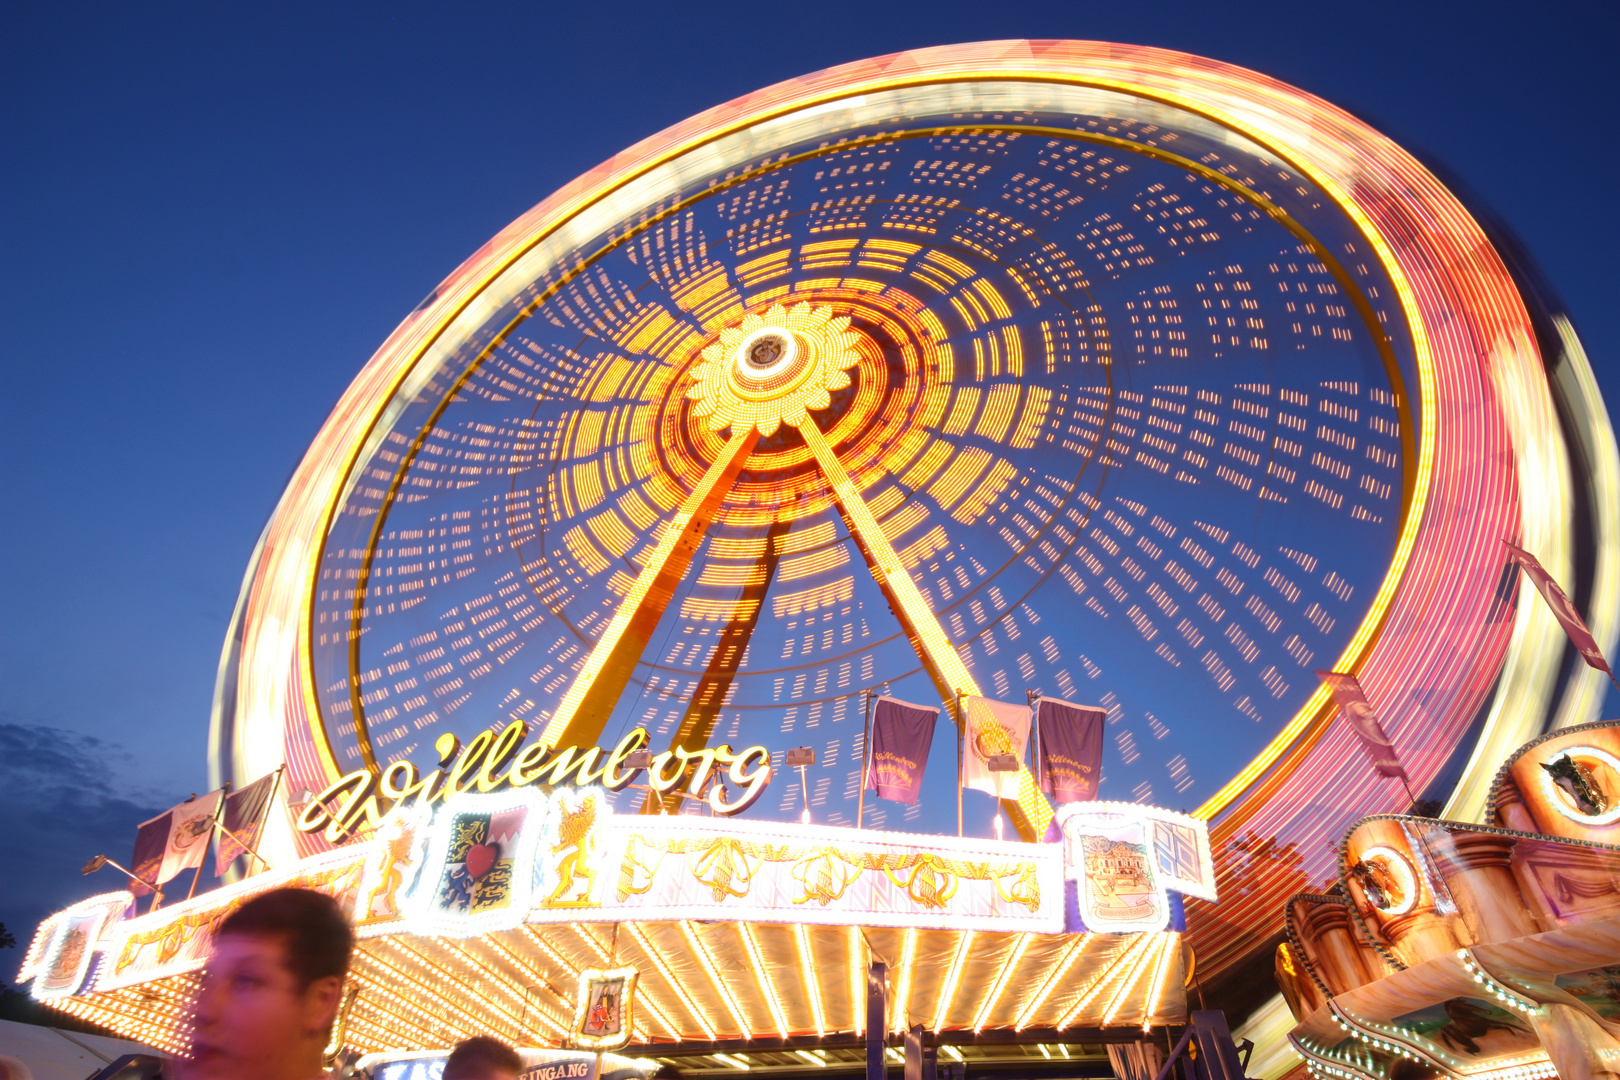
point(63, 798)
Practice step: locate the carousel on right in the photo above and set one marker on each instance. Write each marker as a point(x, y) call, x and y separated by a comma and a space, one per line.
point(1449, 949)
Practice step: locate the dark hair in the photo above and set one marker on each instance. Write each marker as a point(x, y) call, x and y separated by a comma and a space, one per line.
point(476, 1058)
point(313, 930)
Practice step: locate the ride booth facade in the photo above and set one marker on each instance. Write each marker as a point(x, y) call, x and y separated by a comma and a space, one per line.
point(1451, 949)
point(539, 915)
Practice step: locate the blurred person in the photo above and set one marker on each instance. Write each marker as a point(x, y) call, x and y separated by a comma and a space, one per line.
point(482, 1058)
point(271, 990)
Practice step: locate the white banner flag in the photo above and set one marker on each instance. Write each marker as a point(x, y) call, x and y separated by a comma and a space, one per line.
point(191, 826)
point(993, 728)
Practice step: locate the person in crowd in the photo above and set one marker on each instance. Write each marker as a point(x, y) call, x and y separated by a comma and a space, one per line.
point(270, 993)
point(482, 1058)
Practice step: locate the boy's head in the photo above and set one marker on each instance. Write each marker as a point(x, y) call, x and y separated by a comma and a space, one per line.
point(482, 1058)
point(272, 988)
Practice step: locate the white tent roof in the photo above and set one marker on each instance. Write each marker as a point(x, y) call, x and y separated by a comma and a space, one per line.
point(33, 1052)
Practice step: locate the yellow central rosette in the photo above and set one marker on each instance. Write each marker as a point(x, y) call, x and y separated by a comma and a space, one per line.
point(773, 369)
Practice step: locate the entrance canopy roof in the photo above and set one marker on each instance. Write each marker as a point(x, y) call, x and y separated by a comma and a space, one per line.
point(738, 930)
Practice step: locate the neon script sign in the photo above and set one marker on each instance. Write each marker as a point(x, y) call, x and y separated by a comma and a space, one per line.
point(493, 760)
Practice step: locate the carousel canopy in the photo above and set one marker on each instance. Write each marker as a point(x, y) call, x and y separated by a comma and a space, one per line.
point(488, 913)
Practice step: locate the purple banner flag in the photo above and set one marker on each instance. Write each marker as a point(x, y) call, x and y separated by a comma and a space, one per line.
point(1563, 610)
point(150, 841)
point(244, 817)
point(1071, 738)
point(901, 736)
point(1355, 707)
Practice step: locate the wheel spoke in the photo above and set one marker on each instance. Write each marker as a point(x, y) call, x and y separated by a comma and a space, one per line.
point(1030, 812)
point(584, 710)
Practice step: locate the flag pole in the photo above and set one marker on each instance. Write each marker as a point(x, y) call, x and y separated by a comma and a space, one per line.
point(252, 851)
point(961, 734)
point(1033, 698)
point(269, 801)
point(213, 824)
point(1566, 614)
point(92, 866)
point(866, 762)
point(1381, 750)
point(1423, 839)
point(804, 789)
point(245, 845)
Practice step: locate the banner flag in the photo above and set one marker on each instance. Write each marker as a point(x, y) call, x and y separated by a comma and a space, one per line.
point(902, 734)
point(191, 825)
point(604, 1017)
point(243, 819)
point(1358, 711)
point(1562, 608)
point(1071, 742)
point(993, 727)
point(150, 840)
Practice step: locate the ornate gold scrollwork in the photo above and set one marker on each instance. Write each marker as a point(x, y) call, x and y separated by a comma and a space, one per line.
point(727, 864)
point(931, 882)
point(825, 875)
point(632, 883)
point(728, 867)
point(1026, 890)
point(341, 883)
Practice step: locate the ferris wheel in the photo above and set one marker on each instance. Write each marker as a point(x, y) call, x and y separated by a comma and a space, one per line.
point(1109, 373)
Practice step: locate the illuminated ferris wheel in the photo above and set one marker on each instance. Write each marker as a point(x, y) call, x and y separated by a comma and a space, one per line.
point(1110, 373)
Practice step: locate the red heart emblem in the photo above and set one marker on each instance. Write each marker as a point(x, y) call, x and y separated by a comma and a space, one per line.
point(480, 857)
